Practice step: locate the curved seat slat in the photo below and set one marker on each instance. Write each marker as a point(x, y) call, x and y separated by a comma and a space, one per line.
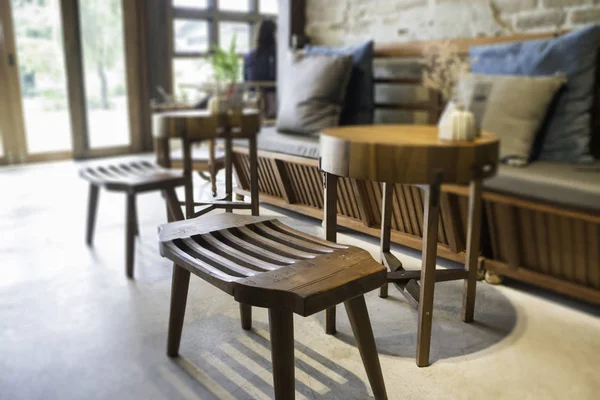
point(211, 274)
point(259, 240)
point(255, 249)
point(218, 261)
point(102, 174)
point(121, 172)
point(299, 234)
point(224, 249)
point(297, 243)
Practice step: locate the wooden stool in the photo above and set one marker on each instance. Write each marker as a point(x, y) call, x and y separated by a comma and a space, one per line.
point(200, 125)
point(131, 178)
point(412, 154)
point(264, 263)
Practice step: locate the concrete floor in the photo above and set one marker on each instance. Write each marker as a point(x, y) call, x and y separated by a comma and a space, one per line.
point(73, 327)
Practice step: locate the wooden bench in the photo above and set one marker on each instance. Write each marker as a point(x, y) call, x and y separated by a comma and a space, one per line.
point(261, 262)
point(130, 178)
point(535, 240)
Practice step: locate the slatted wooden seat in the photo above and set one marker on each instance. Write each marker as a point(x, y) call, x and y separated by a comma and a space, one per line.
point(131, 178)
point(264, 263)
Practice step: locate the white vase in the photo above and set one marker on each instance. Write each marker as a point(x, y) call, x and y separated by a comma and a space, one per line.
point(217, 105)
point(456, 123)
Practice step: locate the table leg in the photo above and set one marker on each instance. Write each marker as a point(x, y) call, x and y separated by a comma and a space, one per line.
point(473, 238)
point(212, 168)
point(254, 176)
point(386, 221)
point(189, 184)
point(430, 240)
point(173, 205)
point(163, 152)
point(228, 170)
point(330, 220)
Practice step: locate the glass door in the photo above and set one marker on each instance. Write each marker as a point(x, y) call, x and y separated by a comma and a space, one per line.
point(39, 62)
point(56, 103)
point(103, 42)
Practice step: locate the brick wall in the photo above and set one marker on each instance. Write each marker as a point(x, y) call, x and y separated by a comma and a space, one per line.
point(337, 22)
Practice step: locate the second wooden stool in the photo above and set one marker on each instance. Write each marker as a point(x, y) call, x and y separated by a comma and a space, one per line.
point(130, 178)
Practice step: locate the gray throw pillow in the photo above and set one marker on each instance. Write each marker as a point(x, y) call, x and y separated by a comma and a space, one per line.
point(514, 109)
point(313, 94)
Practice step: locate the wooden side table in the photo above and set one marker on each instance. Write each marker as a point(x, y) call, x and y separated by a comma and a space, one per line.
point(203, 160)
point(411, 154)
point(191, 126)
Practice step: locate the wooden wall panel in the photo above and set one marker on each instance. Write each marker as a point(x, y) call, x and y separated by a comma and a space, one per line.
point(593, 254)
point(579, 252)
point(528, 236)
point(542, 241)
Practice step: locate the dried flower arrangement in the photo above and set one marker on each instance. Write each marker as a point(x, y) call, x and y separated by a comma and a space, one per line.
point(443, 68)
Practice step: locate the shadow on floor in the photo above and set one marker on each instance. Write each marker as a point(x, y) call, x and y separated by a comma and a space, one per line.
point(237, 364)
point(395, 322)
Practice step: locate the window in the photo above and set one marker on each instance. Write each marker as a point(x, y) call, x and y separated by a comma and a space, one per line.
point(198, 25)
point(241, 31)
point(235, 5)
point(197, 4)
point(268, 7)
point(191, 36)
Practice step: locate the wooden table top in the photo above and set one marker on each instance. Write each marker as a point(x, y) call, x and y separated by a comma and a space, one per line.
point(202, 125)
point(410, 154)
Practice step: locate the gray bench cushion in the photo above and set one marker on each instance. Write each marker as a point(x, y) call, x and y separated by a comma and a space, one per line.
point(569, 185)
point(269, 139)
point(573, 186)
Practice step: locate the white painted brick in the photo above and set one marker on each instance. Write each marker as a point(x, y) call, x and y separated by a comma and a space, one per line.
point(550, 19)
point(565, 3)
point(335, 22)
point(586, 16)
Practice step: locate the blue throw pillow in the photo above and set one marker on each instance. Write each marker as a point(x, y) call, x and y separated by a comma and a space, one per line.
point(359, 104)
point(567, 131)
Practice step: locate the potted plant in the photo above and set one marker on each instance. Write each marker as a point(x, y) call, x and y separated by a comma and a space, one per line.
point(226, 70)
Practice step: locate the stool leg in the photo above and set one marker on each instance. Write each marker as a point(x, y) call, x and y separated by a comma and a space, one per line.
point(179, 292)
point(383, 291)
point(386, 227)
point(130, 236)
point(281, 324)
point(430, 237)
point(363, 333)
point(330, 220)
point(136, 225)
point(92, 210)
point(246, 316)
point(246, 310)
point(330, 316)
point(473, 237)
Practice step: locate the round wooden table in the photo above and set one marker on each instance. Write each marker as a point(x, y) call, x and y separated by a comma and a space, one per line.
point(412, 154)
point(192, 126)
